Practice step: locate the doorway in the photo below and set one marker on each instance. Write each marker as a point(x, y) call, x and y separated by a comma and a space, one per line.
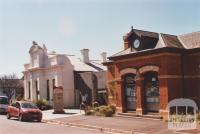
point(151, 86)
point(130, 92)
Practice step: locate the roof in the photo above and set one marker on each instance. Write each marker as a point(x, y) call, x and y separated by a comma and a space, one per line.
point(123, 52)
point(171, 41)
point(142, 33)
point(81, 66)
point(190, 40)
point(146, 33)
point(186, 41)
point(98, 65)
point(148, 52)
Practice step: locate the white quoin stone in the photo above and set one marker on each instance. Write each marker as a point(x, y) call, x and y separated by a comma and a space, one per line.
point(85, 55)
point(104, 56)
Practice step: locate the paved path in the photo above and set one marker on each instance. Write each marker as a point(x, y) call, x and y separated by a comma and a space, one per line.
point(48, 114)
point(14, 126)
point(139, 125)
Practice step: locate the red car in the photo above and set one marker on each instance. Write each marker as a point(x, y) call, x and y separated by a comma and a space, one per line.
point(24, 111)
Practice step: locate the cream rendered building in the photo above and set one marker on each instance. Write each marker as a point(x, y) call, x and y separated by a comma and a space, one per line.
point(48, 69)
point(44, 71)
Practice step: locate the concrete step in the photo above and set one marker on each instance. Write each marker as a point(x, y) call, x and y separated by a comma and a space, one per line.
point(133, 114)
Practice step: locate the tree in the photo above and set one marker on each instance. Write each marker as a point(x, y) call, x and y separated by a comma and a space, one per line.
point(11, 85)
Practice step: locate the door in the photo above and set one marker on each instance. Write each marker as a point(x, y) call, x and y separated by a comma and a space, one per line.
point(12, 109)
point(15, 109)
point(151, 92)
point(130, 92)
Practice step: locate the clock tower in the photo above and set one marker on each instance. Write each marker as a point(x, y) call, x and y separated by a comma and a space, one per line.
point(138, 40)
point(136, 43)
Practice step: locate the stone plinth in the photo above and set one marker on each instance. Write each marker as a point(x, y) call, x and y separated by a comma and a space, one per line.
point(58, 103)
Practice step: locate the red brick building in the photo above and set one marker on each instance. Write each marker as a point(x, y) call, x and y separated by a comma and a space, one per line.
point(153, 69)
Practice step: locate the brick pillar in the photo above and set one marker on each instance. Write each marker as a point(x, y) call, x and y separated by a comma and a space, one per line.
point(119, 91)
point(139, 96)
point(163, 91)
point(118, 96)
point(123, 103)
point(111, 93)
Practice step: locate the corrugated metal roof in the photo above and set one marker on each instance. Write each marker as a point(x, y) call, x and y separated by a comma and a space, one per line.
point(81, 66)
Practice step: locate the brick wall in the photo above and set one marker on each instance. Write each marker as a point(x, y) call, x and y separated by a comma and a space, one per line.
point(192, 76)
point(179, 76)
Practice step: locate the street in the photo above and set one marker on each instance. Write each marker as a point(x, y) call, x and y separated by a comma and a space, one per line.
point(13, 126)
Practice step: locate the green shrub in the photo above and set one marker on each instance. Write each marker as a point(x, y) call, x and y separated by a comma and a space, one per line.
point(42, 104)
point(89, 111)
point(106, 111)
point(113, 108)
point(96, 109)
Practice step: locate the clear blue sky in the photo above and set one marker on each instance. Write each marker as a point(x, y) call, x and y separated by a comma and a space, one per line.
point(70, 25)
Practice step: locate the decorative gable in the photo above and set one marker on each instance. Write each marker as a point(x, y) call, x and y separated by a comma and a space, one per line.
point(35, 47)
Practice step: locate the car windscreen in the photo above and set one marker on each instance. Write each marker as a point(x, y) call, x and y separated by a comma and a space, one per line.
point(28, 105)
point(4, 100)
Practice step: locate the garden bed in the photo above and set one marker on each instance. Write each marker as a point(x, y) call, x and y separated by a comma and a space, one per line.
point(106, 111)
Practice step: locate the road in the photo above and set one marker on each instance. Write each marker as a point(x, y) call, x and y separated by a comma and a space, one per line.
point(13, 126)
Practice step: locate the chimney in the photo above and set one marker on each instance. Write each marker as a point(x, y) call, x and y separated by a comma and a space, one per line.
point(85, 55)
point(103, 56)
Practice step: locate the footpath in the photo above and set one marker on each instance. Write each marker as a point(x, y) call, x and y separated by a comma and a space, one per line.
point(120, 125)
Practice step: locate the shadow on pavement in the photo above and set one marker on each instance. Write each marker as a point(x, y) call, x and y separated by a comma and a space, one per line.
point(27, 121)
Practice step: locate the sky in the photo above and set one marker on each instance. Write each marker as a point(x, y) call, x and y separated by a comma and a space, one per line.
point(67, 26)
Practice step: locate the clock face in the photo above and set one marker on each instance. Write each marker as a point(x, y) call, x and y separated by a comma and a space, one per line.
point(136, 43)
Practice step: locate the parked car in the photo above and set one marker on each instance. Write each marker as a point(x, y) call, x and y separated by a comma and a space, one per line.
point(24, 110)
point(3, 104)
